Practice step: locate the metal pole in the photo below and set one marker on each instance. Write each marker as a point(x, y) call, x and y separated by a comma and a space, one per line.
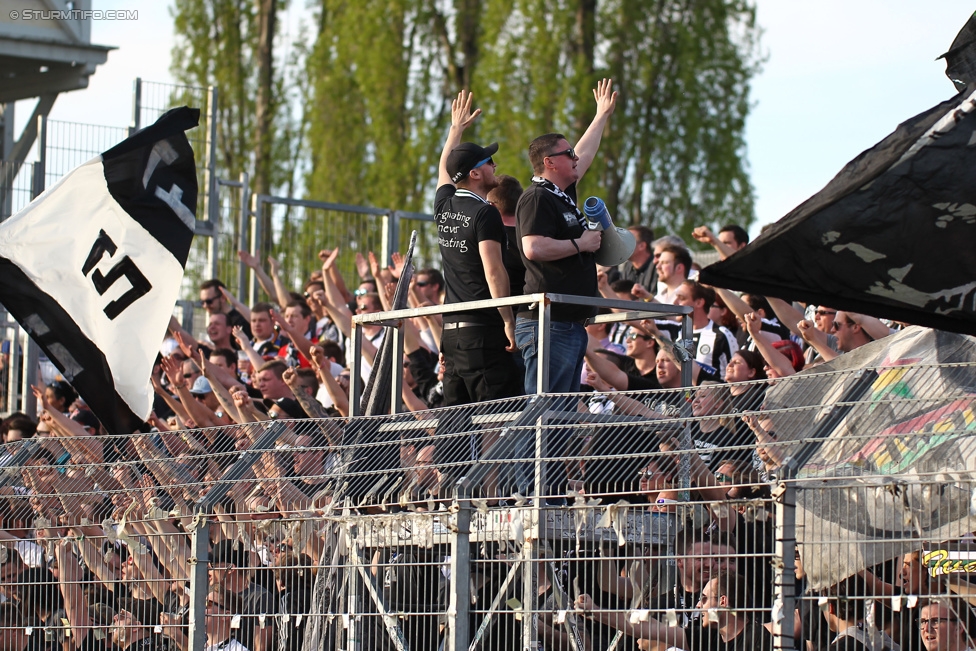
point(256, 209)
point(785, 581)
point(199, 561)
point(13, 377)
point(30, 375)
point(458, 629)
point(243, 231)
point(40, 167)
point(396, 391)
point(211, 204)
point(542, 347)
point(687, 339)
point(136, 106)
point(391, 234)
point(355, 371)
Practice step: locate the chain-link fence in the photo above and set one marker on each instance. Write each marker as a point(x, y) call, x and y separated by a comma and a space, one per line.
point(586, 521)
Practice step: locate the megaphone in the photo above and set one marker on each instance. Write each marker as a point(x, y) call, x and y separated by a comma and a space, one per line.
point(618, 244)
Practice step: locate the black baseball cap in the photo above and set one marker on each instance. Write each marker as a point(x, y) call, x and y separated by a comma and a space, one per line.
point(465, 157)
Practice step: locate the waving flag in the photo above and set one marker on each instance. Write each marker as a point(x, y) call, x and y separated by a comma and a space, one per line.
point(92, 267)
point(889, 236)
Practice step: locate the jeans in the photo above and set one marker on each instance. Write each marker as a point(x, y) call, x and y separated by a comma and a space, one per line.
point(567, 344)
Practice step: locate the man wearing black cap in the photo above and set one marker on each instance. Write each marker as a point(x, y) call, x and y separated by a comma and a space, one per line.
point(557, 247)
point(471, 238)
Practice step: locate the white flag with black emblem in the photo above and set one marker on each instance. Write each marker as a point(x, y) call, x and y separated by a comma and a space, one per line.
point(92, 267)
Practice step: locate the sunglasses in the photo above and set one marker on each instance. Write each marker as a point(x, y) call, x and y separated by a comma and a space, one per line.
point(719, 477)
point(423, 283)
point(824, 313)
point(360, 292)
point(187, 376)
point(633, 335)
point(487, 161)
point(566, 152)
point(364, 307)
point(208, 301)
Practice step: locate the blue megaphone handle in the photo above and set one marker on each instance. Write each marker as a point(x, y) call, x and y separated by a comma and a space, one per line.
point(596, 212)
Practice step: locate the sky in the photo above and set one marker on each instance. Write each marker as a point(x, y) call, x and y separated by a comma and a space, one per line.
point(838, 77)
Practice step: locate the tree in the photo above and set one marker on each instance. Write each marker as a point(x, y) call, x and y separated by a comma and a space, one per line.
point(217, 43)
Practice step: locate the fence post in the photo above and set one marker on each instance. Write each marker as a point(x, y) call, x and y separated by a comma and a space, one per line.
point(211, 200)
point(199, 585)
point(785, 581)
point(243, 231)
point(13, 365)
point(30, 375)
point(391, 235)
point(136, 106)
point(40, 167)
point(458, 620)
point(256, 234)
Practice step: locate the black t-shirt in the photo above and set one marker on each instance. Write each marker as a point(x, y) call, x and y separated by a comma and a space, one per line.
point(235, 318)
point(643, 382)
point(464, 220)
point(513, 262)
point(255, 601)
point(540, 212)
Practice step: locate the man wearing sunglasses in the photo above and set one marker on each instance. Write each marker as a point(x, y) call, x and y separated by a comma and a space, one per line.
point(557, 247)
point(214, 302)
point(471, 236)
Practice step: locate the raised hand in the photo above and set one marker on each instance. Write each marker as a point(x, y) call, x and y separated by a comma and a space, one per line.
point(362, 266)
point(605, 96)
point(240, 335)
point(638, 291)
point(173, 368)
point(703, 234)
point(328, 258)
point(251, 261)
point(274, 265)
point(461, 114)
point(398, 263)
point(753, 324)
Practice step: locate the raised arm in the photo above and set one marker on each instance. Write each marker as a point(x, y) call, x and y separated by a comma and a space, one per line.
point(607, 370)
point(787, 314)
point(461, 117)
point(705, 235)
point(282, 294)
point(773, 357)
point(589, 142)
point(254, 262)
point(817, 339)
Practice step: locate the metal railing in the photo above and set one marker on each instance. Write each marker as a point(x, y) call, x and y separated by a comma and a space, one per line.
point(392, 532)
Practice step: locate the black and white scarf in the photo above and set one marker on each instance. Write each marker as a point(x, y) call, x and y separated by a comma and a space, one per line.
point(553, 188)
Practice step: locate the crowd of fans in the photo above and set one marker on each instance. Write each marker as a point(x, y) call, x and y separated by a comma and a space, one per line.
point(94, 541)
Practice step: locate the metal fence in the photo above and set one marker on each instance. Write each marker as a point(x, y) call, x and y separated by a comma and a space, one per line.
point(674, 516)
point(301, 228)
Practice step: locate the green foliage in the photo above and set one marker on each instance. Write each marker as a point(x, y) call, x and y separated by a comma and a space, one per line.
point(374, 85)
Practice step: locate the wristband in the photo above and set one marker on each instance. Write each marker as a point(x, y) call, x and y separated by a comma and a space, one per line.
point(575, 245)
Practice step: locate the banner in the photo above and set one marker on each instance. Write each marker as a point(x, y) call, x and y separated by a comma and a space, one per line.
point(895, 468)
point(888, 236)
point(92, 267)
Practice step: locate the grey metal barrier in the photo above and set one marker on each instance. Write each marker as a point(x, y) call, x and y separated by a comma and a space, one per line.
point(389, 532)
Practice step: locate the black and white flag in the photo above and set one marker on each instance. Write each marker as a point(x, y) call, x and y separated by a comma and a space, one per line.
point(891, 235)
point(92, 267)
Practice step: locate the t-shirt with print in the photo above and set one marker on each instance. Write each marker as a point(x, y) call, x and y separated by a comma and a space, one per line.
point(464, 220)
point(540, 212)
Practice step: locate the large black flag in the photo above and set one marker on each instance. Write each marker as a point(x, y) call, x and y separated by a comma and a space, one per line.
point(892, 235)
point(92, 267)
